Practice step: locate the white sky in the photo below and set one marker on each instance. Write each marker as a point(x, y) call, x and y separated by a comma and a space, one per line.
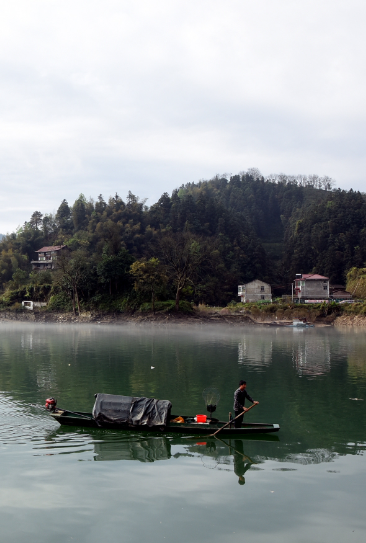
point(104, 96)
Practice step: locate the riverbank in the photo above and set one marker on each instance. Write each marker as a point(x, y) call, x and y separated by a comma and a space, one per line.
point(223, 316)
point(350, 320)
point(137, 317)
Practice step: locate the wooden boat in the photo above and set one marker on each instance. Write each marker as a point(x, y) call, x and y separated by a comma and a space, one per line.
point(188, 427)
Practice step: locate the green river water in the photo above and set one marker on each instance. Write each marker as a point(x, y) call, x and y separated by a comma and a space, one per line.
point(308, 484)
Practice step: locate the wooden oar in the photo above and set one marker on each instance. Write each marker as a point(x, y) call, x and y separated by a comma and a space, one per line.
point(230, 421)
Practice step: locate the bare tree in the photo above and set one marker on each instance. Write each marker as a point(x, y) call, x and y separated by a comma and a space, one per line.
point(182, 255)
point(72, 274)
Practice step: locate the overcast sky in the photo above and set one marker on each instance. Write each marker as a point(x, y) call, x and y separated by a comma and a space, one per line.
point(109, 96)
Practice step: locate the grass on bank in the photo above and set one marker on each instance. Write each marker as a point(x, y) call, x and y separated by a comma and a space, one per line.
point(103, 303)
point(287, 311)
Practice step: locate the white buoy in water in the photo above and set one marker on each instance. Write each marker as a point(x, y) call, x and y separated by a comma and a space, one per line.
point(152, 367)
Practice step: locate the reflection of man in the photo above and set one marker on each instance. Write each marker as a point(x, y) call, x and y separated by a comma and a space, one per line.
point(241, 462)
point(239, 401)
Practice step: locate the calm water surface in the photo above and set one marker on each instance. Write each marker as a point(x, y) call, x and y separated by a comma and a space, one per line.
point(307, 484)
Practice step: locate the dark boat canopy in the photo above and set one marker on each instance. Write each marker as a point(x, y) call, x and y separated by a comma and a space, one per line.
point(131, 411)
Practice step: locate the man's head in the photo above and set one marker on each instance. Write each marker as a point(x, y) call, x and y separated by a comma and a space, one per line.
point(242, 385)
point(241, 480)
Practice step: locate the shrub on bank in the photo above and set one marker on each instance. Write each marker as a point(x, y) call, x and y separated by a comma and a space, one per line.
point(36, 293)
point(354, 309)
point(17, 306)
point(59, 302)
point(167, 307)
point(287, 311)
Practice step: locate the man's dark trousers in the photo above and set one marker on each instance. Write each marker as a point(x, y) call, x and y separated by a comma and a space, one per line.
point(239, 420)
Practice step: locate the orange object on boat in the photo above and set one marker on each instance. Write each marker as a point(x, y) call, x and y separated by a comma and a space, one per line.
point(178, 419)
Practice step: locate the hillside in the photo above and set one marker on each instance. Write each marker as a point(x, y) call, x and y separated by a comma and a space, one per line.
point(229, 231)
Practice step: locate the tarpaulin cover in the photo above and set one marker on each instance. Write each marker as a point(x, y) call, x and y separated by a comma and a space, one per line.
point(130, 410)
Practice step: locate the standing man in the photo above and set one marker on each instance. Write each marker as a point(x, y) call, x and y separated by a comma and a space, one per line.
point(239, 401)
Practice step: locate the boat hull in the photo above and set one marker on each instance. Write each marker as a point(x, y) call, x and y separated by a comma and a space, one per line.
point(78, 418)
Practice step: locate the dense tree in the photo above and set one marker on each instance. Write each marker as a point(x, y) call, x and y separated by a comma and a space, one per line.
point(79, 217)
point(63, 217)
point(73, 274)
point(328, 237)
point(149, 277)
point(36, 219)
point(114, 268)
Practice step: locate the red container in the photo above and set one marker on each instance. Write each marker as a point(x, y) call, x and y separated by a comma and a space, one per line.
point(201, 418)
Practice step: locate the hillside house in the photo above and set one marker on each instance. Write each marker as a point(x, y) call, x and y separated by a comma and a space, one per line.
point(47, 257)
point(255, 291)
point(311, 287)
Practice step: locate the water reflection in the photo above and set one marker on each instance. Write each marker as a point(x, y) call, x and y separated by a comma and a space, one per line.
point(26, 341)
point(357, 362)
point(255, 352)
point(311, 356)
point(228, 455)
point(219, 453)
point(189, 488)
point(214, 454)
point(147, 450)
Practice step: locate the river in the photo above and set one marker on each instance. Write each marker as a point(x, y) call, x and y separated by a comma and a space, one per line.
point(305, 484)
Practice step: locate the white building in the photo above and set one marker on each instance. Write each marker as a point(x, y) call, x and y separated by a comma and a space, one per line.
point(255, 291)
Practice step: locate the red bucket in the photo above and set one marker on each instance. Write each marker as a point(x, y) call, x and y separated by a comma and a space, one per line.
point(201, 418)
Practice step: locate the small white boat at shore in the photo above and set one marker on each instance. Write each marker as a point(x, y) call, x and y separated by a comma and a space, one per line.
point(300, 323)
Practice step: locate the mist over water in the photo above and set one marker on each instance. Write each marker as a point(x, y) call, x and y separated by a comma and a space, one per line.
point(63, 484)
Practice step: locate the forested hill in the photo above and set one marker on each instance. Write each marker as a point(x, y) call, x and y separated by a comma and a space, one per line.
point(268, 205)
point(302, 222)
point(236, 228)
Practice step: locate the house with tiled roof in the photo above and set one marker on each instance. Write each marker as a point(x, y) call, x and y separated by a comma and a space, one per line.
point(47, 257)
point(311, 287)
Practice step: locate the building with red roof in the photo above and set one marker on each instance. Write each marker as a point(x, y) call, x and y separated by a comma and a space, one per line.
point(47, 257)
point(311, 287)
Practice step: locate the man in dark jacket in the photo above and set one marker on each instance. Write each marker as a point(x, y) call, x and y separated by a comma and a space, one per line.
point(239, 401)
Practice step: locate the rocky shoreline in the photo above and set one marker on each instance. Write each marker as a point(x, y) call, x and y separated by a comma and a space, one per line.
point(197, 317)
point(350, 320)
point(124, 318)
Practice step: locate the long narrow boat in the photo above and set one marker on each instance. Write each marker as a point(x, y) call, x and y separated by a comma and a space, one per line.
point(189, 426)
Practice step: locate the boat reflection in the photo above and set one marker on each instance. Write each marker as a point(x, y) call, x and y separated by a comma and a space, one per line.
point(223, 455)
point(214, 453)
point(146, 450)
